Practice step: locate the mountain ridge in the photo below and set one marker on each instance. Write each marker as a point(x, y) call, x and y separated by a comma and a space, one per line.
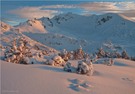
point(94, 30)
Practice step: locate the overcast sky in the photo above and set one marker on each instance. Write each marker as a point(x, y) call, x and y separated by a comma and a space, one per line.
point(14, 12)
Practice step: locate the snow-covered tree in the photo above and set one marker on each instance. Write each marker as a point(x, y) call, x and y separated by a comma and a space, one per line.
point(78, 54)
point(56, 61)
point(124, 54)
point(101, 53)
point(109, 61)
point(133, 58)
point(85, 67)
point(64, 54)
point(18, 51)
point(69, 67)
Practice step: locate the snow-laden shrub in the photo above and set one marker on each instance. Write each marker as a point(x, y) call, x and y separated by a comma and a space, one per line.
point(69, 67)
point(133, 58)
point(85, 67)
point(77, 54)
point(18, 51)
point(56, 61)
point(64, 54)
point(101, 53)
point(108, 61)
point(29, 60)
point(124, 55)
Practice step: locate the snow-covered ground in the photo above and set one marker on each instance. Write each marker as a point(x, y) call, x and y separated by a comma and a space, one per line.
point(44, 79)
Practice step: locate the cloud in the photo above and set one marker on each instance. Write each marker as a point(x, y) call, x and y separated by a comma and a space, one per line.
point(7, 20)
point(108, 6)
point(125, 8)
point(98, 6)
point(60, 6)
point(33, 12)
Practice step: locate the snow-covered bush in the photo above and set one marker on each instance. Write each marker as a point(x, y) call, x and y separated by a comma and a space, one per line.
point(101, 53)
point(108, 61)
point(133, 58)
point(85, 67)
point(104, 53)
point(124, 55)
point(64, 54)
point(79, 54)
point(105, 61)
point(18, 51)
point(69, 67)
point(93, 57)
point(56, 61)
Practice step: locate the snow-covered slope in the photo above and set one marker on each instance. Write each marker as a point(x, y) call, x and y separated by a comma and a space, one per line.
point(43, 79)
point(4, 27)
point(57, 41)
point(32, 25)
point(8, 37)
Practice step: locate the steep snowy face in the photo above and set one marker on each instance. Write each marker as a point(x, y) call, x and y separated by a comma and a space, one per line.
point(4, 27)
point(33, 25)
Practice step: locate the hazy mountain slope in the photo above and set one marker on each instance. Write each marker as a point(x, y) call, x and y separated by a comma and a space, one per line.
point(33, 25)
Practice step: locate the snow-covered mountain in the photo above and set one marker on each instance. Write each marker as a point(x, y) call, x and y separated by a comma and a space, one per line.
point(80, 26)
point(71, 31)
point(95, 30)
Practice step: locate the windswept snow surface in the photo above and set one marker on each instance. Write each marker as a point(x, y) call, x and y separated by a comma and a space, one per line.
point(43, 79)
